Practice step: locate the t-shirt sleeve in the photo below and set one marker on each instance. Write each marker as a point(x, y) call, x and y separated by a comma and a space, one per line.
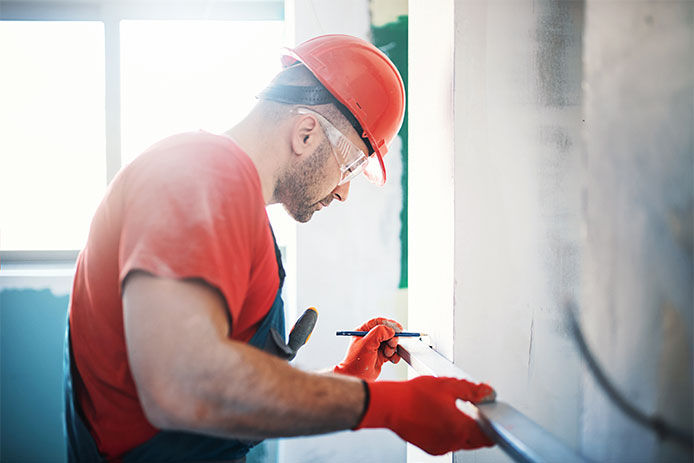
point(187, 216)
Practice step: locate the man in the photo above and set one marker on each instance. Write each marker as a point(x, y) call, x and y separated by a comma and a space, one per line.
point(177, 292)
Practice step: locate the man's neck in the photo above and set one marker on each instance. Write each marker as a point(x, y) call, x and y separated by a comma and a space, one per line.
point(257, 141)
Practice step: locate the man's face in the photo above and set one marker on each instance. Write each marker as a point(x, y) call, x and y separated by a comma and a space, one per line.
point(308, 186)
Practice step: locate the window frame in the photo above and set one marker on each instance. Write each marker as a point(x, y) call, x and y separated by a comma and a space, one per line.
point(111, 13)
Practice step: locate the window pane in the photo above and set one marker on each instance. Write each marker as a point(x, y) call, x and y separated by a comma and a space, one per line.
point(189, 75)
point(52, 136)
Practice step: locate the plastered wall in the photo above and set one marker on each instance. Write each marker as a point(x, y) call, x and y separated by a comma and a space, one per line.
point(517, 204)
point(552, 159)
point(638, 196)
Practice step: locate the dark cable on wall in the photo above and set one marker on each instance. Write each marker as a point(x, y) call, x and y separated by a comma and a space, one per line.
point(663, 429)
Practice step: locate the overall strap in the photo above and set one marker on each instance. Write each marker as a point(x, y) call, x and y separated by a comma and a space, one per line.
point(278, 257)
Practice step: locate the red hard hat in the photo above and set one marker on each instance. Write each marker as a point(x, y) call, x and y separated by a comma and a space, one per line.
point(363, 79)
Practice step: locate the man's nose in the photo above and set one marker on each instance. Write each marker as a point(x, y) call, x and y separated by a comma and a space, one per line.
point(341, 192)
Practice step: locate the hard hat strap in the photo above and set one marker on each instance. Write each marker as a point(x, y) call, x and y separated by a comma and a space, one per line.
point(294, 94)
point(311, 96)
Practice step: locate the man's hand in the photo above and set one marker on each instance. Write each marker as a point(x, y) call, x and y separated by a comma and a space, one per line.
point(367, 354)
point(423, 411)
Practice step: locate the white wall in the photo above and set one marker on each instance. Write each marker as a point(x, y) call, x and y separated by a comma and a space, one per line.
point(348, 261)
point(638, 218)
point(561, 141)
point(517, 204)
point(494, 142)
point(431, 183)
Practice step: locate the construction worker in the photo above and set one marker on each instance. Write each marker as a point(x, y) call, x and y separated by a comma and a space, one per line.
point(176, 295)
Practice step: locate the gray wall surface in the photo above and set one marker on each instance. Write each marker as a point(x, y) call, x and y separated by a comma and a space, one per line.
point(638, 194)
point(565, 171)
point(517, 204)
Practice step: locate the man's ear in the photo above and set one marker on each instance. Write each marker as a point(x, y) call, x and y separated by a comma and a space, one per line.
point(304, 134)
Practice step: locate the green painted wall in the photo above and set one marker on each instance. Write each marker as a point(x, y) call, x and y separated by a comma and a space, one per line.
point(32, 330)
point(391, 38)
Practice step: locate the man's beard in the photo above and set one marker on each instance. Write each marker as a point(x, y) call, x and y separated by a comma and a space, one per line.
point(297, 189)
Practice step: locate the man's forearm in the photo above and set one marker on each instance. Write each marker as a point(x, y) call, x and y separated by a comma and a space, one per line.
point(191, 376)
point(239, 391)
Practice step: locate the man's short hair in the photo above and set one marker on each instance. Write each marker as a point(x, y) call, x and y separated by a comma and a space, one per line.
point(297, 86)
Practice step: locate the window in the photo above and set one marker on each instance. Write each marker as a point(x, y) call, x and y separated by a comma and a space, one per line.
point(52, 142)
point(175, 75)
point(188, 75)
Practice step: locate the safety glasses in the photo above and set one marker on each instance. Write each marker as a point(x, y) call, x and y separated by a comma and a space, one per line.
point(350, 158)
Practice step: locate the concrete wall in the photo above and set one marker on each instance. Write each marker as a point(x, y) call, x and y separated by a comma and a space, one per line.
point(552, 158)
point(494, 144)
point(637, 300)
point(517, 203)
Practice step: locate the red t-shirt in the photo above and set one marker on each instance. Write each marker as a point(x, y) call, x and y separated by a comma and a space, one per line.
point(189, 207)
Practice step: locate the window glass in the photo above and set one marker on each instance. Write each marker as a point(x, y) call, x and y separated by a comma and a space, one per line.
point(189, 75)
point(52, 136)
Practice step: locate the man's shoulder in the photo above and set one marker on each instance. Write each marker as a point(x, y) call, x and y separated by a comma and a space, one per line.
point(196, 158)
point(197, 146)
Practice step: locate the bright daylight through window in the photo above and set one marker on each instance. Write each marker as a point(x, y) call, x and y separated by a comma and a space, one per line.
point(175, 76)
point(190, 75)
point(52, 142)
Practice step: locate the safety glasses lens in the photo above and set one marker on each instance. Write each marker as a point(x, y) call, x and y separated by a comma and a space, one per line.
point(352, 170)
point(373, 171)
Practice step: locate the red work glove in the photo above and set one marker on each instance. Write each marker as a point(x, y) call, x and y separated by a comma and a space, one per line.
point(423, 412)
point(367, 354)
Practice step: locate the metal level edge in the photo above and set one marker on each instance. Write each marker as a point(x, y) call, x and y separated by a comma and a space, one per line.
point(521, 438)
